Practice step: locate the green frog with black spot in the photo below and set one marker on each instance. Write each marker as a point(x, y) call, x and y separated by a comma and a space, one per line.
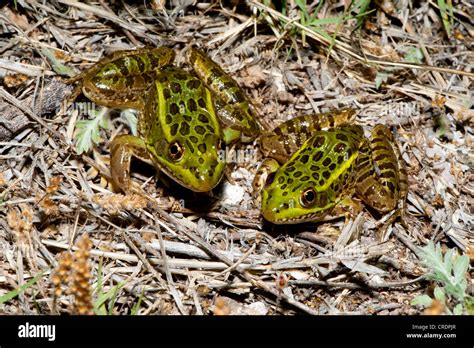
point(316, 164)
point(185, 119)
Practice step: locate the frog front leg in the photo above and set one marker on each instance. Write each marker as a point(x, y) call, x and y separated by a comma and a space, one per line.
point(264, 175)
point(382, 178)
point(123, 147)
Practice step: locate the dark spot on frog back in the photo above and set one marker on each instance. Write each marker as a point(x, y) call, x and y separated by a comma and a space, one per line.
point(203, 118)
point(339, 147)
point(120, 66)
point(162, 78)
point(341, 137)
point(202, 147)
point(174, 109)
point(326, 162)
point(140, 63)
point(202, 103)
point(199, 130)
point(184, 129)
point(193, 83)
point(239, 95)
point(319, 141)
point(174, 129)
point(175, 87)
point(166, 93)
point(192, 105)
point(304, 159)
point(317, 156)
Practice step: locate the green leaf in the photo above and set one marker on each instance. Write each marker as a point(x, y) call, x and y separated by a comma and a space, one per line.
point(448, 261)
point(322, 32)
point(433, 258)
point(14, 293)
point(360, 7)
point(136, 306)
point(324, 21)
point(89, 130)
point(460, 268)
point(439, 294)
point(469, 302)
point(57, 63)
point(422, 300)
point(448, 270)
point(381, 78)
point(114, 298)
point(129, 115)
point(444, 15)
point(458, 309)
point(99, 304)
point(413, 55)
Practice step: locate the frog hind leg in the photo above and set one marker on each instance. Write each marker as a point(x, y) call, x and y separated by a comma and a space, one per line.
point(382, 178)
point(233, 107)
point(238, 123)
point(123, 147)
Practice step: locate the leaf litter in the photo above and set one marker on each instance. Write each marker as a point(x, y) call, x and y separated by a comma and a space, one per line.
point(175, 252)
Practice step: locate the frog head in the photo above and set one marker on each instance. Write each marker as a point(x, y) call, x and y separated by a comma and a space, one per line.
point(182, 131)
point(313, 181)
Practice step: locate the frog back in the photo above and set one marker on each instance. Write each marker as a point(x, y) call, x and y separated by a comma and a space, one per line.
point(289, 136)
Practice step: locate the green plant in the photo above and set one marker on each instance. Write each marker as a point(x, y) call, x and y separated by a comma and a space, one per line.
point(446, 11)
point(89, 130)
point(15, 292)
point(412, 55)
point(101, 307)
point(449, 271)
point(309, 16)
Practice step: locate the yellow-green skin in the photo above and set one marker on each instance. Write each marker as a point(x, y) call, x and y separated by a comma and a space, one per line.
point(328, 168)
point(185, 119)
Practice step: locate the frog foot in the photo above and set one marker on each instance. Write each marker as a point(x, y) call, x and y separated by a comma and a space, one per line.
point(123, 147)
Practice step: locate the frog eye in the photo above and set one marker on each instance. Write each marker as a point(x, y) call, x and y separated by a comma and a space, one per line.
point(308, 198)
point(270, 179)
point(175, 151)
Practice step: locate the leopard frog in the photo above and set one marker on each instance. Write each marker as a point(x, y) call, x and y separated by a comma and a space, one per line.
point(185, 119)
point(326, 161)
